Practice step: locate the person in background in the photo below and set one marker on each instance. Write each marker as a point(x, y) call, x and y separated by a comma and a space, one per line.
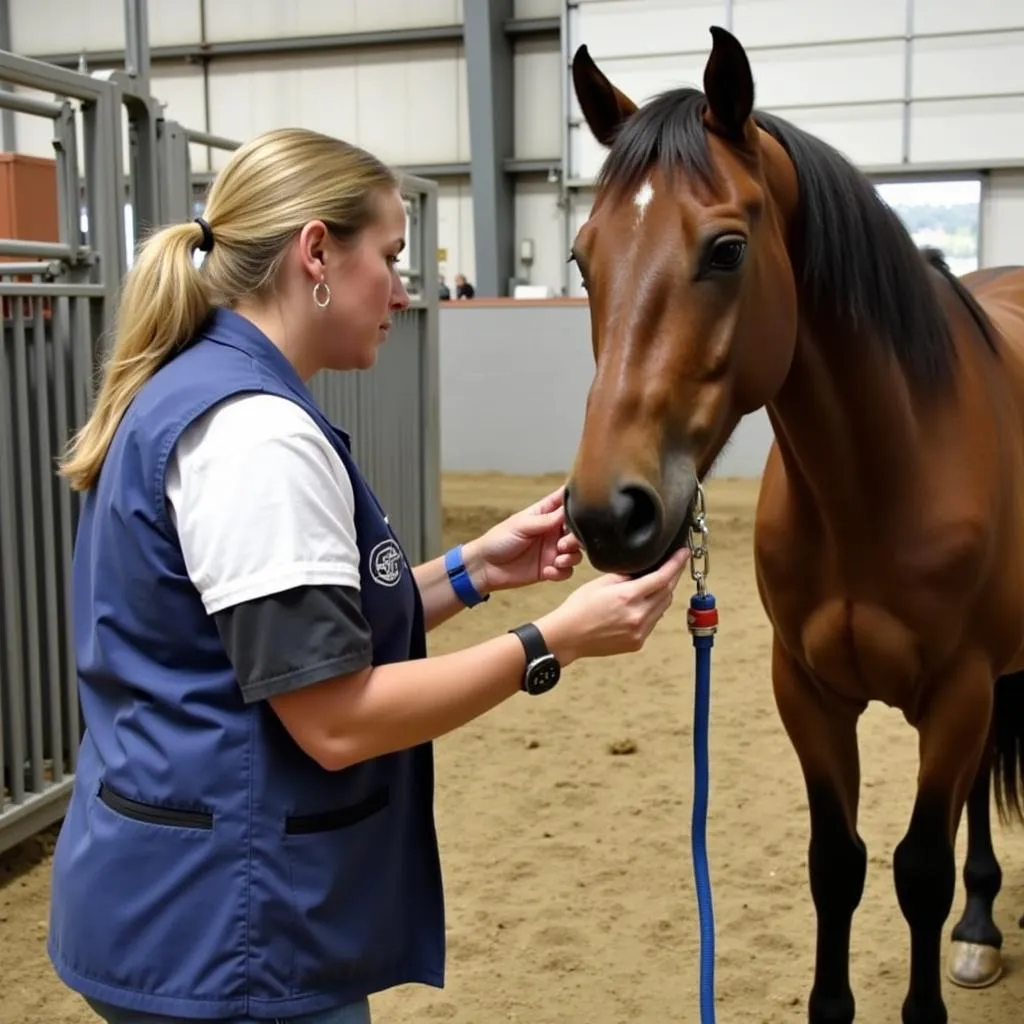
point(463, 289)
point(444, 292)
point(251, 832)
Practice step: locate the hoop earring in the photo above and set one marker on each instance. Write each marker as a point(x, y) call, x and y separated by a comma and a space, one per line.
point(325, 302)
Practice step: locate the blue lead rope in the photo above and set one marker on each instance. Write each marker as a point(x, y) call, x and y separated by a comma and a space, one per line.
point(702, 622)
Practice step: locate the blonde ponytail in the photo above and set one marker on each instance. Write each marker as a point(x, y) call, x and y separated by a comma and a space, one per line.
point(163, 303)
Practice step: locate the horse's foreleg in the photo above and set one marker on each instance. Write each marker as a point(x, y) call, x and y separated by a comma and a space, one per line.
point(975, 959)
point(953, 729)
point(824, 735)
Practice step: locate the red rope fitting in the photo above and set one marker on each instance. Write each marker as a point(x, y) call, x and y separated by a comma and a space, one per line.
point(702, 620)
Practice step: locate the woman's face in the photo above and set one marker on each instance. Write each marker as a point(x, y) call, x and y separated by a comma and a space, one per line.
point(365, 289)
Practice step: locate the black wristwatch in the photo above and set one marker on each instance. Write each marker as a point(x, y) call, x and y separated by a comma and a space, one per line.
point(542, 668)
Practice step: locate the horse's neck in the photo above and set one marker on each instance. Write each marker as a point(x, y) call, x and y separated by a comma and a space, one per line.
point(845, 425)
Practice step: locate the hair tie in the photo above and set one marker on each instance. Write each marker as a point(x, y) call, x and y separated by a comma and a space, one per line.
point(207, 243)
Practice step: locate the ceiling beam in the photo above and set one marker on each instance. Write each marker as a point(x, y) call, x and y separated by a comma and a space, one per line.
point(197, 53)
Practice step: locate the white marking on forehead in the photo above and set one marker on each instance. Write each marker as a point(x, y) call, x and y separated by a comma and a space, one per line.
point(643, 198)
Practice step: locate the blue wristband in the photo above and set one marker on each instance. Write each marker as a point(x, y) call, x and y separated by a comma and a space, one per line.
point(460, 579)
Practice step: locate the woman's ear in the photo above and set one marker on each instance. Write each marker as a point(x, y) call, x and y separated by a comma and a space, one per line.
point(312, 244)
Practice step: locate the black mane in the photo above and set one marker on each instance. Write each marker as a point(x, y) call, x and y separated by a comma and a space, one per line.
point(855, 260)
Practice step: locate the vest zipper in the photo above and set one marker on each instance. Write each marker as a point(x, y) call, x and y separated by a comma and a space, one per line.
point(340, 817)
point(153, 814)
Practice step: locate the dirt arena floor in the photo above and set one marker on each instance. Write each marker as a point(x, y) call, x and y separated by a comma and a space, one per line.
point(565, 828)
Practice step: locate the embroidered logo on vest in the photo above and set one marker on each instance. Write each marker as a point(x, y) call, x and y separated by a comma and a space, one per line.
point(386, 563)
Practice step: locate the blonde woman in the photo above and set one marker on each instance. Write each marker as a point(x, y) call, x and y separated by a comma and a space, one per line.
point(251, 835)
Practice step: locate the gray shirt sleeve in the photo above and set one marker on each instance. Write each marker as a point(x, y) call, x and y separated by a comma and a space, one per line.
point(284, 641)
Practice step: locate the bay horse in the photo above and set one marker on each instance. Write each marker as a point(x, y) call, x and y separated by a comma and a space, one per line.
point(733, 261)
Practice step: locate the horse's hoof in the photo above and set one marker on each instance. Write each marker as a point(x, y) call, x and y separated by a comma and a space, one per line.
point(972, 965)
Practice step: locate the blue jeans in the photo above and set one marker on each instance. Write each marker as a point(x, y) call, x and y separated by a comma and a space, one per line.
point(354, 1013)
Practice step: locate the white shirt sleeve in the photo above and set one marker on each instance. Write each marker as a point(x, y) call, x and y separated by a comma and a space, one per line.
point(262, 502)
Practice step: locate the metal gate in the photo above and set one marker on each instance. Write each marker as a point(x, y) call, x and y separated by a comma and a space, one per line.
point(58, 299)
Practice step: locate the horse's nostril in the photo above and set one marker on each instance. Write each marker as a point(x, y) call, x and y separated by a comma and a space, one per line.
point(638, 517)
point(567, 506)
point(619, 531)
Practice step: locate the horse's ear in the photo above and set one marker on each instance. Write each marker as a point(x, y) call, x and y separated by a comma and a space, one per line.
point(604, 107)
point(728, 83)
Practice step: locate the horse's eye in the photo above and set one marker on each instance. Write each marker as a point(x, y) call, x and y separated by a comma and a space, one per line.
point(727, 253)
point(583, 277)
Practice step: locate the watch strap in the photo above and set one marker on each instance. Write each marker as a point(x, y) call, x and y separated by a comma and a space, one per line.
point(532, 640)
point(460, 579)
point(542, 669)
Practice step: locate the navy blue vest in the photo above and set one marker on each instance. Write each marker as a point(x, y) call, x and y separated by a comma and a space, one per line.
point(207, 867)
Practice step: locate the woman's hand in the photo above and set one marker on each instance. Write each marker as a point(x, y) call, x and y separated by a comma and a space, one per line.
point(612, 614)
point(528, 547)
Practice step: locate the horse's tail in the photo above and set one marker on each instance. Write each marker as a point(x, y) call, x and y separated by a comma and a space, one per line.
point(1008, 747)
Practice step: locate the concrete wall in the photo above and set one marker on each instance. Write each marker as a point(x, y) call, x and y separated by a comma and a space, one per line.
point(514, 378)
point(1002, 219)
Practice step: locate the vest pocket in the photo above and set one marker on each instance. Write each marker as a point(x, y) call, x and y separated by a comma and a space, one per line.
point(153, 814)
point(344, 868)
point(341, 817)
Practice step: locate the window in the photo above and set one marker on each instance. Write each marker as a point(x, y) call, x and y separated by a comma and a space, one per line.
point(941, 214)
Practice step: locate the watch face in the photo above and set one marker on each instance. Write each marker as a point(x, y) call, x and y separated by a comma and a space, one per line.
point(543, 674)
